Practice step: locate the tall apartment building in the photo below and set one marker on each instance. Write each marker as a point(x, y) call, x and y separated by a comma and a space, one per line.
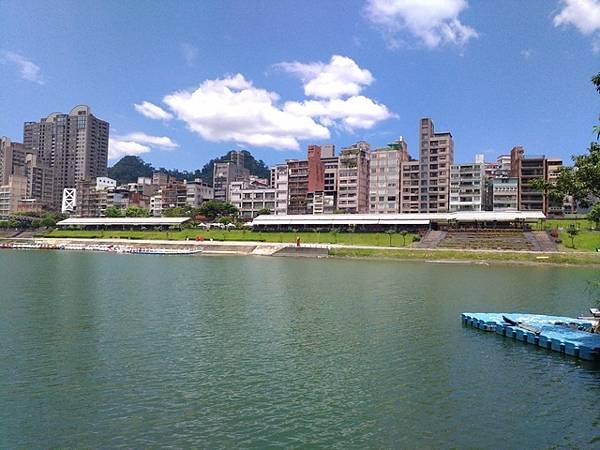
point(527, 169)
point(279, 182)
point(410, 181)
point(353, 179)
point(227, 172)
point(12, 156)
point(436, 156)
point(40, 182)
point(385, 177)
point(317, 201)
point(467, 186)
point(15, 165)
point(297, 186)
point(331, 165)
point(74, 145)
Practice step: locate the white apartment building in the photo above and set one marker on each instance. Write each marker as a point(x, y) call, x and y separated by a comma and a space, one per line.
point(279, 182)
point(467, 187)
point(250, 199)
point(505, 194)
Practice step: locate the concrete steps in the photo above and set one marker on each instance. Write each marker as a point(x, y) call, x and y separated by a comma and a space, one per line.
point(545, 241)
point(432, 239)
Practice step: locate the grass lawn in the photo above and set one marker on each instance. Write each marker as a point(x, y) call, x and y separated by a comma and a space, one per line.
point(457, 255)
point(375, 239)
point(588, 238)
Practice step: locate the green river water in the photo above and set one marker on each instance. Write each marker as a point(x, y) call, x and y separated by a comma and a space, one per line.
point(102, 351)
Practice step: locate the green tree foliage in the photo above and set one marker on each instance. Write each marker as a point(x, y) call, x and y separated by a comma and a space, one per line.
point(572, 231)
point(129, 168)
point(48, 222)
point(113, 211)
point(175, 212)
point(213, 209)
point(136, 211)
point(264, 212)
point(594, 215)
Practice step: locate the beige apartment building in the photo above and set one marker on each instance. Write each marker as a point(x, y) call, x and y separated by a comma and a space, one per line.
point(385, 177)
point(410, 182)
point(353, 179)
point(436, 156)
point(74, 145)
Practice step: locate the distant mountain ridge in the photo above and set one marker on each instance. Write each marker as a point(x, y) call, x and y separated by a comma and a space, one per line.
point(129, 168)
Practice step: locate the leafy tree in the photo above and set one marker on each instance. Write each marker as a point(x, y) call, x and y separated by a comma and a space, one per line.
point(136, 211)
point(214, 209)
point(113, 211)
point(390, 233)
point(404, 233)
point(264, 212)
point(175, 212)
point(572, 231)
point(594, 215)
point(48, 222)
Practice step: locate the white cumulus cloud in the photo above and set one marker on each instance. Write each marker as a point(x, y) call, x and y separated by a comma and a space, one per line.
point(137, 143)
point(582, 14)
point(28, 69)
point(152, 111)
point(353, 113)
point(232, 109)
point(433, 22)
point(340, 77)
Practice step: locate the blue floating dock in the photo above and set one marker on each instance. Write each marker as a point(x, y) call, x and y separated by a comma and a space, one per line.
point(552, 336)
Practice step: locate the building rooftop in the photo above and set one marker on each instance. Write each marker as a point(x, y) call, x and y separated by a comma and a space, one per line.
point(397, 219)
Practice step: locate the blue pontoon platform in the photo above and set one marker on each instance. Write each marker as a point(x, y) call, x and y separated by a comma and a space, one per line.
point(561, 334)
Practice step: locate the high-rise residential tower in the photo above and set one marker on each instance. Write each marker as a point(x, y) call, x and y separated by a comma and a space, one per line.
point(74, 145)
point(436, 157)
point(227, 172)
point(353, 179)
point(385, 178)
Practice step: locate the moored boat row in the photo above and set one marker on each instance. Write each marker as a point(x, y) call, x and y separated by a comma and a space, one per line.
point(136, 250)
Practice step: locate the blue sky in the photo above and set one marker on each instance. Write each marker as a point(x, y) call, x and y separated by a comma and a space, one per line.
point(274, 76)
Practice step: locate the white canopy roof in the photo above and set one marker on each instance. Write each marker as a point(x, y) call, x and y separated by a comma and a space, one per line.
point(397, 219)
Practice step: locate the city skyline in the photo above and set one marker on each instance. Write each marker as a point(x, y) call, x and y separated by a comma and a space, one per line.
point(369, 73)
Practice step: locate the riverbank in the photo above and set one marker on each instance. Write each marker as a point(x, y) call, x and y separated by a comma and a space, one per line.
point(586, 259)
